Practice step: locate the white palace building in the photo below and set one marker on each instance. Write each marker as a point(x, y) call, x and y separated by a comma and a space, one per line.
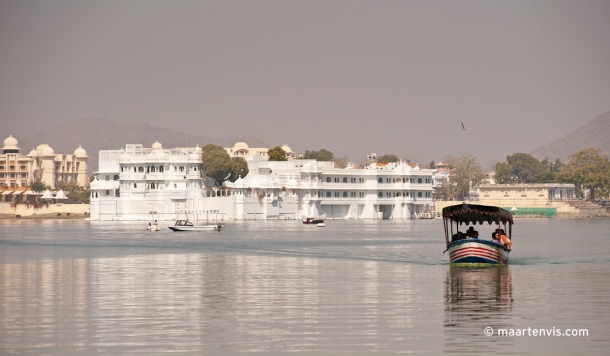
point(138, 183)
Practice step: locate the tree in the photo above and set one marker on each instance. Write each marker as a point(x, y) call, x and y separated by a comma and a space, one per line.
point(240, 169)
point(388, 158)
point(340, 162)
point(466, 174)
point(523, 168)
point(277, 154)
point(322, 155)
point(587, 169)
point(37, 186)
point(217, 163)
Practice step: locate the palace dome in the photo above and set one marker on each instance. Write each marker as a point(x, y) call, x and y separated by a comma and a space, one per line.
point(46, 150)
point(286, 149)
point(240, 146)
point(157, 146)
point(33, 153)
point(10, 143)
point(80, 152)
point(95, 184)
point(194, 157)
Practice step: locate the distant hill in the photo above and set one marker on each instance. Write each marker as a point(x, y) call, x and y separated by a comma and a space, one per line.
point(96, 134)
point(596, 134)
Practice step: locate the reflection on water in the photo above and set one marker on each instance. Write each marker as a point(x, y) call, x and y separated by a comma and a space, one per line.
point(275, 287)
point(476, 298)
point(186, 303)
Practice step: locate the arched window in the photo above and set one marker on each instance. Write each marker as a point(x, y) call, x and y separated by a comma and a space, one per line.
point(116, 177)
point(161, 169)
point(419, 180)
point(107, 177)
point(135, 185)
point(344, 179)
point(135, 169)
point(327, 179)
point(152, 169)
point(107, 192)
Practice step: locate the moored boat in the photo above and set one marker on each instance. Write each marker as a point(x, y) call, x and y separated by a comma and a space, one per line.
point(313, 221)
point(475, 250)
point(185, 225)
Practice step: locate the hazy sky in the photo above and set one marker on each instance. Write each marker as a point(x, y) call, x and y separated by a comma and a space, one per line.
point(349, 76)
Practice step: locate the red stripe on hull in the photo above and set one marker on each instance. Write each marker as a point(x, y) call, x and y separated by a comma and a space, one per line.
point(477, 252)
point(474, 250)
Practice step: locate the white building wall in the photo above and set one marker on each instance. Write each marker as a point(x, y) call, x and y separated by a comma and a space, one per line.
point(167, 185)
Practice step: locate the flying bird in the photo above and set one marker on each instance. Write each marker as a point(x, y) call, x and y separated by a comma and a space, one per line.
point(464, 127)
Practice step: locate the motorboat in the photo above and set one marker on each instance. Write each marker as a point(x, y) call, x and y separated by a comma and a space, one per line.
point(313, 221)
point(473, 251)
point(321, 224)
point(185, 225)
point(425, 216)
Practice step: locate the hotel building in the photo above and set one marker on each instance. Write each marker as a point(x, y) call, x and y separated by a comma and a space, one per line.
point(139, 183)
point(18, 171)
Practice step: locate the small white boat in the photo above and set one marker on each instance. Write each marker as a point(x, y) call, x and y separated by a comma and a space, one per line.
point(425, 216)
point(321, 225)
point(185, 225)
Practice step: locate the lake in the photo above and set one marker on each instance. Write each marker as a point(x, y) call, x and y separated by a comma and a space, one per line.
point(274, 287)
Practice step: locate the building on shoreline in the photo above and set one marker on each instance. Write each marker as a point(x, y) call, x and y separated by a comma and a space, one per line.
point(18, 171)
point(140, 183)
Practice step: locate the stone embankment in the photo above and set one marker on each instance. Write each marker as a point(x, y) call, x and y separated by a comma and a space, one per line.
point(55, 211)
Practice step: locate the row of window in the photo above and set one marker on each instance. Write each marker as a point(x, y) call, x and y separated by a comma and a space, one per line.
point(14, 175)
point(13, 185)
point(13, 167)
point(153, 169)
point(379, 180)
point(405, 180)
point(403, 194)
point(379, 194)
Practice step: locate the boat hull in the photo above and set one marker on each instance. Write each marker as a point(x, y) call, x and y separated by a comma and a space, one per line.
point(477, 252)
point(194, 228)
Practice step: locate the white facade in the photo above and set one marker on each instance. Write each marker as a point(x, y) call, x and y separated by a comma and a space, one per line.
point(154, 183)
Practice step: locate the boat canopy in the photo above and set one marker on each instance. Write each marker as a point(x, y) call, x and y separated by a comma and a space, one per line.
point(473, 214)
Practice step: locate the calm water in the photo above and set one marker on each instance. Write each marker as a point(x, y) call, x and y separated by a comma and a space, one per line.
point(74, 287)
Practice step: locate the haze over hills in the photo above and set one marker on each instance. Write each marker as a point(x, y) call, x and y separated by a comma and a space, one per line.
point(95, 134)
point(596, 134)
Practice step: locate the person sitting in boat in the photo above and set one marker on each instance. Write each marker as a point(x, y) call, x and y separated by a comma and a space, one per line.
point(156, 223)
point(461, 235)
point(495, 238)
point(474, 234)
point(454, 237)
point(469, 232)
point(505, 240)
